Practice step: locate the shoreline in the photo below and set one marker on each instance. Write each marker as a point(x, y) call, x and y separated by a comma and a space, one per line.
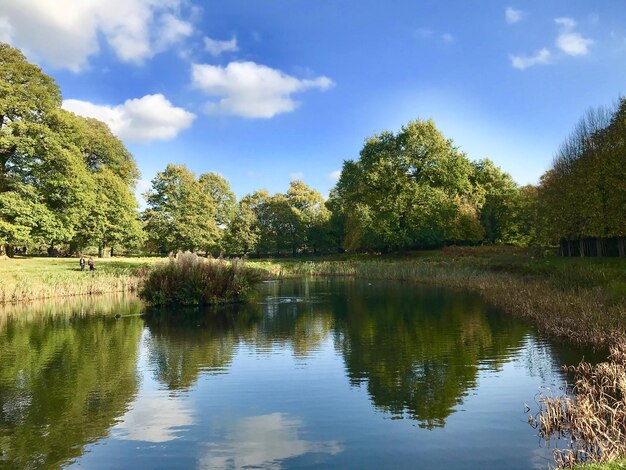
point(572, 300)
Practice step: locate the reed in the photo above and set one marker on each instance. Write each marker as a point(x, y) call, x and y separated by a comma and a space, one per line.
point(188, 279)
point(591, 419)
point(583, 307)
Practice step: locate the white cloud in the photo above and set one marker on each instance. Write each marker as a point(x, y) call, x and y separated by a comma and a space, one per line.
point(569, 41)
point(567, 23)
point(573, 43)
point(511, 15)
point(251, 90)
point(145, 119)
point(64, 33)
point(6, 31)
point(298, 175)
point(425, 33)
point(216, 47)
point(523, 62)
point(334, 176)
point(172, 31)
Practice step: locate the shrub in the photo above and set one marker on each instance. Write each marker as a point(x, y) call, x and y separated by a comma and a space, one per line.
point(189, 279)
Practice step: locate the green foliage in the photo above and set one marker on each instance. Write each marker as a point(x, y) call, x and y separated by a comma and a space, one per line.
point(63, 178)
point(584, 193)
point(70, 392)
point(296, 221)
point(191, 280)
point(410, 189)
point(179, 213)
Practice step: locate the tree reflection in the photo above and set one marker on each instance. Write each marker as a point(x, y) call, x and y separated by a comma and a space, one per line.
point(186, 341)
point(64, 379)
point(419, 350)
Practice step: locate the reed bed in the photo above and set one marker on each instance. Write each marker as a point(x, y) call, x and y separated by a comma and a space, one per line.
point(188, 279)
point(592, 419)
point(584, 310)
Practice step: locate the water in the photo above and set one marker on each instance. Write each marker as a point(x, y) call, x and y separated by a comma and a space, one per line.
point(322, 373)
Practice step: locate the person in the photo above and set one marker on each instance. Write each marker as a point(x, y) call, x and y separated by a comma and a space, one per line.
point(90, 263)
point(82, 263)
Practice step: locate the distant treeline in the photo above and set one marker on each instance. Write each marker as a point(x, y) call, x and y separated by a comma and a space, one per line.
point(66, 183)
point(583, 195)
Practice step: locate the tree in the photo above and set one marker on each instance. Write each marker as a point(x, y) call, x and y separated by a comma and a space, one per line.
point(179, 214)
point(111, 216)
point(583, 195)
point(494, 192)
point(216, 187)
point(63, 178)
point(410, 189)
point(310, 217)
point(242, 235)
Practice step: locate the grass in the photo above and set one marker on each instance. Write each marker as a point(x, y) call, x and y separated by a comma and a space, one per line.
point(621, 465)
point(25, 279)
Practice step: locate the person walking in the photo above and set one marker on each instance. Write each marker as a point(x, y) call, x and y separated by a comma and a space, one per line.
point(91, 264)
point(82, 263)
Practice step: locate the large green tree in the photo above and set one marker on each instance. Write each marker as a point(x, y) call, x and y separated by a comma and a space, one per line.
point(180, 214)
point(63, 178)
point(410, 189)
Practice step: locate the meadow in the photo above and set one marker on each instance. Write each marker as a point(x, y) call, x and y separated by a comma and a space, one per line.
point(31, 278)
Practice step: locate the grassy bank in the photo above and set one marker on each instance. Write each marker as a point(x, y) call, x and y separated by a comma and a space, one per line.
point(24, 279)
point(583, 300)
point(621, 465)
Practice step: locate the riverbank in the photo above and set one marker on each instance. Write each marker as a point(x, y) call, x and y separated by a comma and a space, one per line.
point(31, 278)
point(580, 299)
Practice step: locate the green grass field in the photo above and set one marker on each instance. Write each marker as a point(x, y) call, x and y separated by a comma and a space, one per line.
point(23, 279)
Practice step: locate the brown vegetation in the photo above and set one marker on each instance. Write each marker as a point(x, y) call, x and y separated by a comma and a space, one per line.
point(593, 420)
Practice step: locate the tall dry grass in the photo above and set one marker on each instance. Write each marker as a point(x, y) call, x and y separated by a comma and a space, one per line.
point(592, 419)
point(26, 279)
point(582, 308)
point(189, 279)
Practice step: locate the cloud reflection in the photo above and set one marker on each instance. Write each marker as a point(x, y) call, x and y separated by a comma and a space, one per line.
point(263, 442)
point(155, 417)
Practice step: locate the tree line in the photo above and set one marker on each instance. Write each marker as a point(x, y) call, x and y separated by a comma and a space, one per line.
point(66, 182)
point(582, 204)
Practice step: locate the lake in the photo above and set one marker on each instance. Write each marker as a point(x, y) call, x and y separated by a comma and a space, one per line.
point(326, 373)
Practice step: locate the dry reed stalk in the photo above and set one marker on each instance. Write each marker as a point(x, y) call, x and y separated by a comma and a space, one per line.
point(592, 418)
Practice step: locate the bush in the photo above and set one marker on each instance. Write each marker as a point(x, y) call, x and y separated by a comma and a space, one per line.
point(189, 279)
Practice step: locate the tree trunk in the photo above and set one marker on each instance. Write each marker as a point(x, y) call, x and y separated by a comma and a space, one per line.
point(581, 244)
point(621, 248)
point(100, 251)
point(73, 248)
point(599, 247)
point(111, 252)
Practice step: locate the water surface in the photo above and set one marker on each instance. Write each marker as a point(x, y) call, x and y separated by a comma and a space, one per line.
point(318, 373)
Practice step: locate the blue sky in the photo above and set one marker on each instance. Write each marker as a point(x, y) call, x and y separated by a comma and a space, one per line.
point(264, 91)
